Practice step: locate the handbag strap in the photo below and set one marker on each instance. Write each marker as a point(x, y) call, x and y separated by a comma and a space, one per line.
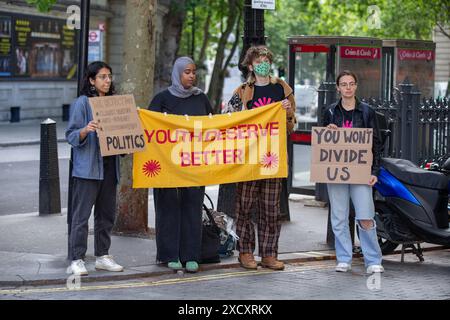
point(210, 216)
point(210, 201)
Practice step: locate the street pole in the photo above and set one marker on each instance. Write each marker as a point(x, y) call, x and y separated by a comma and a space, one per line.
point(82, 64)
point(253, 31)
point(83, 42)
point(253, 35)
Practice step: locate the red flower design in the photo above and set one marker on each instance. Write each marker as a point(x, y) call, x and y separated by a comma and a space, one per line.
point(269, 160)
point(262, 102)
point(151, 168)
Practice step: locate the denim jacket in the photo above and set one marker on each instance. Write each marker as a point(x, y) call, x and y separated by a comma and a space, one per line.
point(87, 159)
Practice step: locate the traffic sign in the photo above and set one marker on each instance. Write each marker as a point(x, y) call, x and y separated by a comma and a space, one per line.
point(263, 4)
point(94, 36)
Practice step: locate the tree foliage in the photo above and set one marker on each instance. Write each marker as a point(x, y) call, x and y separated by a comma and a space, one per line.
point(206, 35)
point(42, 5)
point(402, 19)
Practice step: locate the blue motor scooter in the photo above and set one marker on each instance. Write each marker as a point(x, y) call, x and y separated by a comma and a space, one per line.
point(410, 206)
point(411, 203)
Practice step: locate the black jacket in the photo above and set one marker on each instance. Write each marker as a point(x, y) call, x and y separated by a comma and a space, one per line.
point(363, 117)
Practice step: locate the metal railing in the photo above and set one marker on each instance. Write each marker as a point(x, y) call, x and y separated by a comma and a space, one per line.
point(419, 128)
point(418, 131)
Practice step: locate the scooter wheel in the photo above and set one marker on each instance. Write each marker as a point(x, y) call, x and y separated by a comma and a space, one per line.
point(382, 210)
point(386, 246)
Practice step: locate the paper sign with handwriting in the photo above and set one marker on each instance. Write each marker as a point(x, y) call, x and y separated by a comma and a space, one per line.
point(120, 129)
point(341, 155)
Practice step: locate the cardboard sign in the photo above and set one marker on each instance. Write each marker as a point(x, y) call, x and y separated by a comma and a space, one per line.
point(341, 155)
point(120, 130)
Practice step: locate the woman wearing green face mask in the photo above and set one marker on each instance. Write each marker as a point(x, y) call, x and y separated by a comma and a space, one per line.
point(259, 90)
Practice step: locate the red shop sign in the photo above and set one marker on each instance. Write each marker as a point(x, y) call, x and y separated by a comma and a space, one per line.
point(310, 48)
point(407, 54)
point(360, 52)
point(301, 137)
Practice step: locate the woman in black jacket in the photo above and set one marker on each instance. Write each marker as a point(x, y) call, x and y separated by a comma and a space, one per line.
point(349, 112)
point(179, 210)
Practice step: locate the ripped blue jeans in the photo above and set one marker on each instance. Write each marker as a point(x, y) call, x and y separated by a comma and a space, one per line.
point(361, 195)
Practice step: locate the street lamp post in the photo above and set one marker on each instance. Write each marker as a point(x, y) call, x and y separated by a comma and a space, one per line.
point(253, 31)
point(83, 42)
point(253, 35)
point(82, 63)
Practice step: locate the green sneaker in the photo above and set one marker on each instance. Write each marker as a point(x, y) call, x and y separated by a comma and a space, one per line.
point(175, 265)
point(191, 266)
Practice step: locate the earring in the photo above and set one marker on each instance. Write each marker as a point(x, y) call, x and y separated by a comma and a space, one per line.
point(93, 88)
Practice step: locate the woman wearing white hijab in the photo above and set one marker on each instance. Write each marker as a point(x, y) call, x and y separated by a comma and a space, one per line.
point(179, 210)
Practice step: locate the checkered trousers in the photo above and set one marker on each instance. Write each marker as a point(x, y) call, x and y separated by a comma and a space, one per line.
point(266, 195)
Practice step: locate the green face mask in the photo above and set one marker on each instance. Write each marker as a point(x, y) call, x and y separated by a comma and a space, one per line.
point(262, 69)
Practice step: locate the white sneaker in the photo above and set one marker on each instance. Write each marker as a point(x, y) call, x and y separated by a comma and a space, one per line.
point(375, 268)
point(78, 268)
point(343, 267)
point(107, 263)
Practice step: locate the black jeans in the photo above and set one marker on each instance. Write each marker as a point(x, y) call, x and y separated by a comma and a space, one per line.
point(178, 223)
point(87, 193)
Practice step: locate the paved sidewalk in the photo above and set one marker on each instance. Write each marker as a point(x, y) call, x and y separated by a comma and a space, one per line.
point(33, 248)
point(314, 280)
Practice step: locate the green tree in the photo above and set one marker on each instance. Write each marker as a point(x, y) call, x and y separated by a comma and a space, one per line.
point(205, 36)
point(138, 76)
point(137, 72)
point(42, 5)
point(168, 45)
point(222, 58)
point(405, 19)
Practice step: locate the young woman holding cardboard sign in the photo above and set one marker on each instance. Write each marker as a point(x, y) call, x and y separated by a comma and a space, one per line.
point(349, 112)
point(94, 177)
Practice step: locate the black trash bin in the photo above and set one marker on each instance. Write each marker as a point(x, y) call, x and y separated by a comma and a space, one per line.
point(15, 114)
point(65, 112)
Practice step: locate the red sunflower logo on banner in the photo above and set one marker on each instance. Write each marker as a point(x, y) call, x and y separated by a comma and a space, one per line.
point(269, 160)
point(151, 168)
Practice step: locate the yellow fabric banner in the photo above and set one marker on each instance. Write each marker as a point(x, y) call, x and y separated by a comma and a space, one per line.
point(186, 151)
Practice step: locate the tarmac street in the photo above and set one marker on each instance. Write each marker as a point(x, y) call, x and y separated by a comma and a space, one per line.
point(314, 280)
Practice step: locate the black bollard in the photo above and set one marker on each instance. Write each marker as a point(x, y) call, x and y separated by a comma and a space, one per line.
point(49, 191)
point(15, 114)
point(65, 112)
